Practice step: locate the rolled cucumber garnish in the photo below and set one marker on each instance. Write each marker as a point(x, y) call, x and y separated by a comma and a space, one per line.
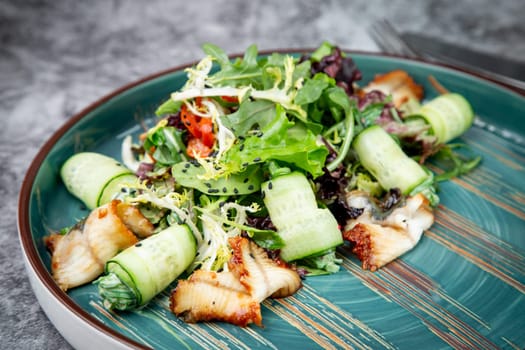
point(94, 178)
point(305, 229)
point(139, 273)
point(449, 116)
point(379, 153)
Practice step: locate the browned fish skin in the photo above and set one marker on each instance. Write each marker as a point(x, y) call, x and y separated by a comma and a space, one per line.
point(234, 296)
point(378, 242)
point(134, 220)
point(78, 257)
point(212, 296)
point(398, 84)
point(262, 276)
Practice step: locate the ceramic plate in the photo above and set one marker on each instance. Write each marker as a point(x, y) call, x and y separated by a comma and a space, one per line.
point(462, 287)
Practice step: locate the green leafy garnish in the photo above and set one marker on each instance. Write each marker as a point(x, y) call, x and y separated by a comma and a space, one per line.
point(455, 163)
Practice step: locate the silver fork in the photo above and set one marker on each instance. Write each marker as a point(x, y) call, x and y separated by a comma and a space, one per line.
point(390, 41)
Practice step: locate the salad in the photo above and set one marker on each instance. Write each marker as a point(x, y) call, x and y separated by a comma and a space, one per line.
point(255, 172)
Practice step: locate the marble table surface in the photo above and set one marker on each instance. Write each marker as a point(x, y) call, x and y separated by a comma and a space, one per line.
point(56, 57)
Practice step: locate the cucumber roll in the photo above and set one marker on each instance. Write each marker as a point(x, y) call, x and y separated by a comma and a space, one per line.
point(305, 229)
point(137, 274)
point(379, 153)
point(449, 116)
point(94, 178)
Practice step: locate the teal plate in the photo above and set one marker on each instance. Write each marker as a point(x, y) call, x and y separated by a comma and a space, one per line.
point(463, 286)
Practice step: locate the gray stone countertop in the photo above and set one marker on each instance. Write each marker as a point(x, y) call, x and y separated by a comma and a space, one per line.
point(56, 57)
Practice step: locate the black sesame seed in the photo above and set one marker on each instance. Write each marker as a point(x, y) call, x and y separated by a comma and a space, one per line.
point(257, 159)
point(184, 170)
point(246, 180)
point(270, 185)
point(235, 190)
point(138, 244)
point(224, 189)
point(207, 184)
point(244, 165)
point(250, 187)
point(213, 190)
point(241, 147)
point(187, 165)
point(209, 242)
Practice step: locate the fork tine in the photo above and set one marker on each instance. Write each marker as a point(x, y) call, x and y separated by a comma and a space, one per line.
point(376, 32)
point(383, 35)
point(389, 39)
point(402, 43)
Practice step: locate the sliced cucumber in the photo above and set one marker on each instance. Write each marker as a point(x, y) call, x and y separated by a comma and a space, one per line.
point(94, 178)
point(305, 229)
point(311, 235)
point(288, 198)
point(114, 186)
point(386, 161)
point(137, 274)
point(449, 116)
point(188, 174)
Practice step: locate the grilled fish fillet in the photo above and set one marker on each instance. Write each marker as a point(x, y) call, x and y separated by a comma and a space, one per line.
point(234, 296)
point(378, 242)
point(79, 256)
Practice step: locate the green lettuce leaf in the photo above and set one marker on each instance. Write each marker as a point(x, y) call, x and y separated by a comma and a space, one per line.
point(250, 115)
point(282, 140)
point(168, 107)
point(167, 143)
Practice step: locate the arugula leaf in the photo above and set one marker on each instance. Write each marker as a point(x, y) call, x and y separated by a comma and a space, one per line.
point(168, 107)
point(216, 53)
point(240, 72)
point(454, 163)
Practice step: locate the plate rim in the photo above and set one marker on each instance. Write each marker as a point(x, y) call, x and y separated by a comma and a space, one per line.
point(23, 219)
